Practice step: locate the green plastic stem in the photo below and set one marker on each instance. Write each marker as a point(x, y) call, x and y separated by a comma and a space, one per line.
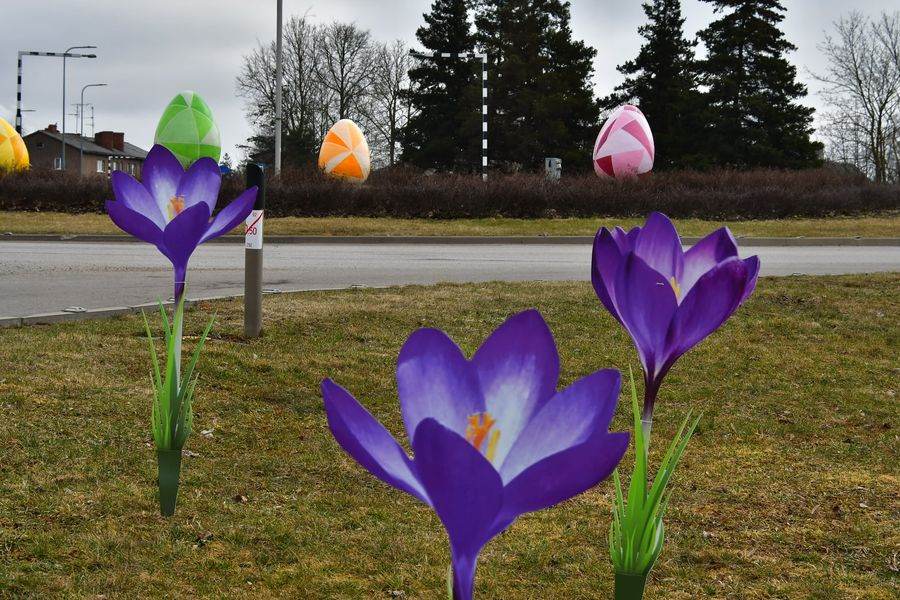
point(630, 586)
point(169, 474)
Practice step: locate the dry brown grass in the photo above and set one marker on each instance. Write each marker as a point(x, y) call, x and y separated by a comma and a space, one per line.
point(789, 489)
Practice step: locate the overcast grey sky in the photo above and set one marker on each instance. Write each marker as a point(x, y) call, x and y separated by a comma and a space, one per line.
point(149, 51)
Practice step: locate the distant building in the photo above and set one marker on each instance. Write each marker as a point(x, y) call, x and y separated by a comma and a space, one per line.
point(106, 152)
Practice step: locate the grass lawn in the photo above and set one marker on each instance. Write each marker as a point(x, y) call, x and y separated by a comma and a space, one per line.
point(885, 225)
point(789, 489)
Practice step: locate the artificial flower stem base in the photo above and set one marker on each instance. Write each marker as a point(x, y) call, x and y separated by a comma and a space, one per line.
point(169, 473)
point(630, 586)
point(646, 424)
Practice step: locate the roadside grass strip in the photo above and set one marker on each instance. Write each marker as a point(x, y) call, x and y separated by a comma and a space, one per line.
point(877, 226)
point(790, 487)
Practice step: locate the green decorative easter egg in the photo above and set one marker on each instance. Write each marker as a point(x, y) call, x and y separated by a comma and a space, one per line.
point(188, 130)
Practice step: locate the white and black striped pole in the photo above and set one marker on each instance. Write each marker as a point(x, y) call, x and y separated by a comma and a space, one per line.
point(484, 96)
point(19, 78)
point(253, 254)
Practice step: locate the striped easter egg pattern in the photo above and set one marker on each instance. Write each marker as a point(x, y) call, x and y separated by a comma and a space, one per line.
point(345, 153)
point(624, 146)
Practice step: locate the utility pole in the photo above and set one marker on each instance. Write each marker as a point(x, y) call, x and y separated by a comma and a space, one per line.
point(278, 74)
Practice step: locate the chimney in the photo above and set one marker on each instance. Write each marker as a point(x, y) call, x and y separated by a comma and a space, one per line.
point(119, 141)
point(105, 139)
point(52, 128)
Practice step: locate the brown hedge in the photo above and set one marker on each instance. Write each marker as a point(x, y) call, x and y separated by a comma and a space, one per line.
point(403, 192)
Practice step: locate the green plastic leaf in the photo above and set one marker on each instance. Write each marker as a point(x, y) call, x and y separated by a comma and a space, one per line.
point(637, 533)
point(172, 416)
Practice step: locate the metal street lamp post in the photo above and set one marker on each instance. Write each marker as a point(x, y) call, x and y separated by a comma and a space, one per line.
point(81, 136)
point(278, 76)
point(64, 56)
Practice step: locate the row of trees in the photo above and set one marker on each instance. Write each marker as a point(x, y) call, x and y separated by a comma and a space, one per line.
point(738, 106)
point(330, 72)
point(540, 96)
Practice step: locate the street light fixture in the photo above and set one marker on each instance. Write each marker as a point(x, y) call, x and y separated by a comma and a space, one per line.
point(81, 137)
point(64, 56)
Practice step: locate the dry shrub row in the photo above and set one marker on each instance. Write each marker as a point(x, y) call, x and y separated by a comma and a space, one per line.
point(403, 192)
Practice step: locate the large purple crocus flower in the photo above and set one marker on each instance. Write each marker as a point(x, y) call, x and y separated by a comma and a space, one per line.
point(171, 208)
point(492, 437)
point(668, 299)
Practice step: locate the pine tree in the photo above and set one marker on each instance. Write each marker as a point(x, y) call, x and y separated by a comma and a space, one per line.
point(753, 89)
point(662, 82)
point(444, 130)
point(541, 98)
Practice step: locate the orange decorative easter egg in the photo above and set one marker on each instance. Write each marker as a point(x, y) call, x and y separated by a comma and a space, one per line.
point(345, 154)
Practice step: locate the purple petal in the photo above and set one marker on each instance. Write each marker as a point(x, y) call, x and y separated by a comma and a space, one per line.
point(625, 241)
point(465, 492)
point(632, 236)
point(713, 299)
point(605, 261)
point(135, 223)
point(563, 475)
point(574, 415)
point(517, 367)
point(201, 183)
point(229, 217)
point(161, 174)
point(366, 440)
point(434, 380)
point(705, 254)
point(659, 246)
point(133, 195)
point(646, 304)
point(752, 275)
point(184, 232)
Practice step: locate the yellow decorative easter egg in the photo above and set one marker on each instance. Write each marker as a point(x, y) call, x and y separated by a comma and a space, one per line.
point(13, 153)
point(345, 154)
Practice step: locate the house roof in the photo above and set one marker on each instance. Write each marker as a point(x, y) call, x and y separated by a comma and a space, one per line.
point(91, 147)
point(133, 151)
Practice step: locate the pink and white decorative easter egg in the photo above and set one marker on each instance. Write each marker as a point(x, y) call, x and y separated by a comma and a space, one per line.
point(625, 144)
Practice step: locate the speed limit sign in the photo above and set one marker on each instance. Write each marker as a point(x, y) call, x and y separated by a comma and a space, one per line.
point(253, 232)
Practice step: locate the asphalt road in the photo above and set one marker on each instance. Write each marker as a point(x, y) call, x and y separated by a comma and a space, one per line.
point(41, 277)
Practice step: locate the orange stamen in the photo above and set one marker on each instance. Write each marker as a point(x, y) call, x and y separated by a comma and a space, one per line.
point(176, 205)
point(479, 426)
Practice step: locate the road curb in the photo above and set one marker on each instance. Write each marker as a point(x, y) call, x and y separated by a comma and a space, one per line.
point(53, 318)
point(452, 239)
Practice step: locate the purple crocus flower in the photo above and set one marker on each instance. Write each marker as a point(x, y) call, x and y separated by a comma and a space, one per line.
point(171, 208)
point(492, 437)
point(667, 299)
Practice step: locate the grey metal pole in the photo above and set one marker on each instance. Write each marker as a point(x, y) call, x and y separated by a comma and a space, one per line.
point(253, 254)
point(81, 129)
point(278, 77)
point(64, 55)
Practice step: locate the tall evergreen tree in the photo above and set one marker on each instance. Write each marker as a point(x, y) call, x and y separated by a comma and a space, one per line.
point(662, 81)
point(541, 97)
point(753, 89)
point(444, 130)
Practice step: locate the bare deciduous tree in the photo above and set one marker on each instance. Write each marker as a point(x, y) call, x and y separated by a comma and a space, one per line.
point(863, 90)
point(386, 110)
point(330, 73)
point(346, 66)
point(302, 94)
